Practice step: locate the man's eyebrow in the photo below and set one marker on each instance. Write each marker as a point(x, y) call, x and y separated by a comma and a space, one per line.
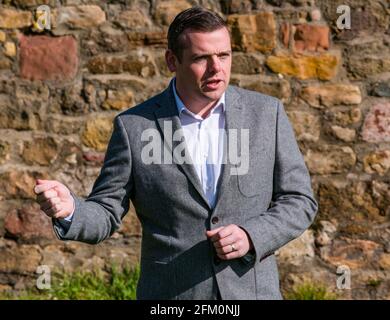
point(198, 55)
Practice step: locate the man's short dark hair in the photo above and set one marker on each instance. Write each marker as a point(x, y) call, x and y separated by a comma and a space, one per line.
point(195, 18)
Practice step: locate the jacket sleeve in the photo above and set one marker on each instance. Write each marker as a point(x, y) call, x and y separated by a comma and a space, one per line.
point(100, 214)
point(293, 204)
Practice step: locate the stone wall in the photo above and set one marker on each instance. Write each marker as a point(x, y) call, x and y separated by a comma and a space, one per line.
point(61, 88)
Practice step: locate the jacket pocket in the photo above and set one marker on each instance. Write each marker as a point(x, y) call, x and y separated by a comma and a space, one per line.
point(157, 280)
point(248, 185)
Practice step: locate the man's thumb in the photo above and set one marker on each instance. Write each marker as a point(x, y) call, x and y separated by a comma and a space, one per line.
point(210, 233)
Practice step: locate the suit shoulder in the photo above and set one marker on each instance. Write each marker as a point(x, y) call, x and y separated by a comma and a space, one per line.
point(254, 98)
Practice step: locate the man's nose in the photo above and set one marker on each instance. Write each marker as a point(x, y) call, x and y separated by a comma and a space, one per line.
point(214, 64)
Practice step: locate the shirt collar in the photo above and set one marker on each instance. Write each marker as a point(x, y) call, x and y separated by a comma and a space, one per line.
point(181, 107)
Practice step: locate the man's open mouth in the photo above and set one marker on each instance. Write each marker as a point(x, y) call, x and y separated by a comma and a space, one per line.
point(213, 84)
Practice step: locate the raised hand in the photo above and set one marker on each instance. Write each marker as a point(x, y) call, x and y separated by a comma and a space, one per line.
point(54, 198)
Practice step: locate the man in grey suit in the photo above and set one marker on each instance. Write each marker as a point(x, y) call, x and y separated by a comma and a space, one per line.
point(211, 219)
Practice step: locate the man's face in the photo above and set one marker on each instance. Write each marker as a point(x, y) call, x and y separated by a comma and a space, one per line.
point(204, 71)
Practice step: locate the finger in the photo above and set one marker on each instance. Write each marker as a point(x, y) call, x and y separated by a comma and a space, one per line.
point(49, 184)
point(53, 210)
point(211, 233)
point(232, 238)
point(61, 214)
point(226, 231)
point(228, 248)
point(230, 255)
point(50, 203)
point(41, 181)
point(224, 250)
point(46, 195)
point(50, 212)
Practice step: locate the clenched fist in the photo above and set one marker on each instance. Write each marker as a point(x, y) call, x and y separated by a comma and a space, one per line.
point(230, 241)
point(54, 198)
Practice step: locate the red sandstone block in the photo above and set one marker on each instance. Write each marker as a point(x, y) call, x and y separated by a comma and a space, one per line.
point(48, 58)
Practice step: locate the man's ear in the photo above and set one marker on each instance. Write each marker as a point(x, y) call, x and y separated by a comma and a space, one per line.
point(171, 60)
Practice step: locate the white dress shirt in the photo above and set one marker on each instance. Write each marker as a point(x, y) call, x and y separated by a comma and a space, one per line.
point(204, 140)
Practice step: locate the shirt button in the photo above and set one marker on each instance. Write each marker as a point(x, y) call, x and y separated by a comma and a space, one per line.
point(215, 220)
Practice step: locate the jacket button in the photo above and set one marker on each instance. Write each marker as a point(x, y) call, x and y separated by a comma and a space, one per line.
point(215, 220)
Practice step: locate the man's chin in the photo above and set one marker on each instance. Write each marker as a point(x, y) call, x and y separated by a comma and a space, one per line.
point(213, 95)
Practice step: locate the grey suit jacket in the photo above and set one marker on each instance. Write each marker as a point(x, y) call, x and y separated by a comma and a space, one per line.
point(273, 202)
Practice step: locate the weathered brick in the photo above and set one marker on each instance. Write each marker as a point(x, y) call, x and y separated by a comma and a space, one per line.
point(19, 184)
point(299, 250)
point(381, 193)
point(377, 162)
point(331, 94)
point(344, 134)
point(247, 63)
point(22, 259)
point(306, 125)
point(323, 67)
point(134, 20)
point(384, 261)
point(10, 49)
point(31, 3)
point(376, 127)
point(360, 202)
point(381, 89)
point(343, 116)
point(159, 58)
point(350, 252)
point(137, 63)
point(285, 30)
point(149, 38)
point(142, 88)
point(4, 151)
point(236, 6)
point(118, 100)
point(360, 67)
point(63, 125)
point(13, 19)
point(41, 151)
point(332, 159)
point(79, 17)
point(20, 115)
point(97, 133)
point(272, 86)
point(28, 224)
point(311, 37)
point(47, 58)
point(3, 36)
point(5, 64)
point(254, 32)
point(166, 11)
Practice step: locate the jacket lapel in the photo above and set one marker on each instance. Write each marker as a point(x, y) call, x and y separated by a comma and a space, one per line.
point(167, 117)
point(168, 121)
point(233, 120)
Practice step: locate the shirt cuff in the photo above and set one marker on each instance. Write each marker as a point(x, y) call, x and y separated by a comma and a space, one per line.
point(64, 223)
point(70, 217)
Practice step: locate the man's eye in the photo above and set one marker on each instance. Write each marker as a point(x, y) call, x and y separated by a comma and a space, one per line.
point(199, 58)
